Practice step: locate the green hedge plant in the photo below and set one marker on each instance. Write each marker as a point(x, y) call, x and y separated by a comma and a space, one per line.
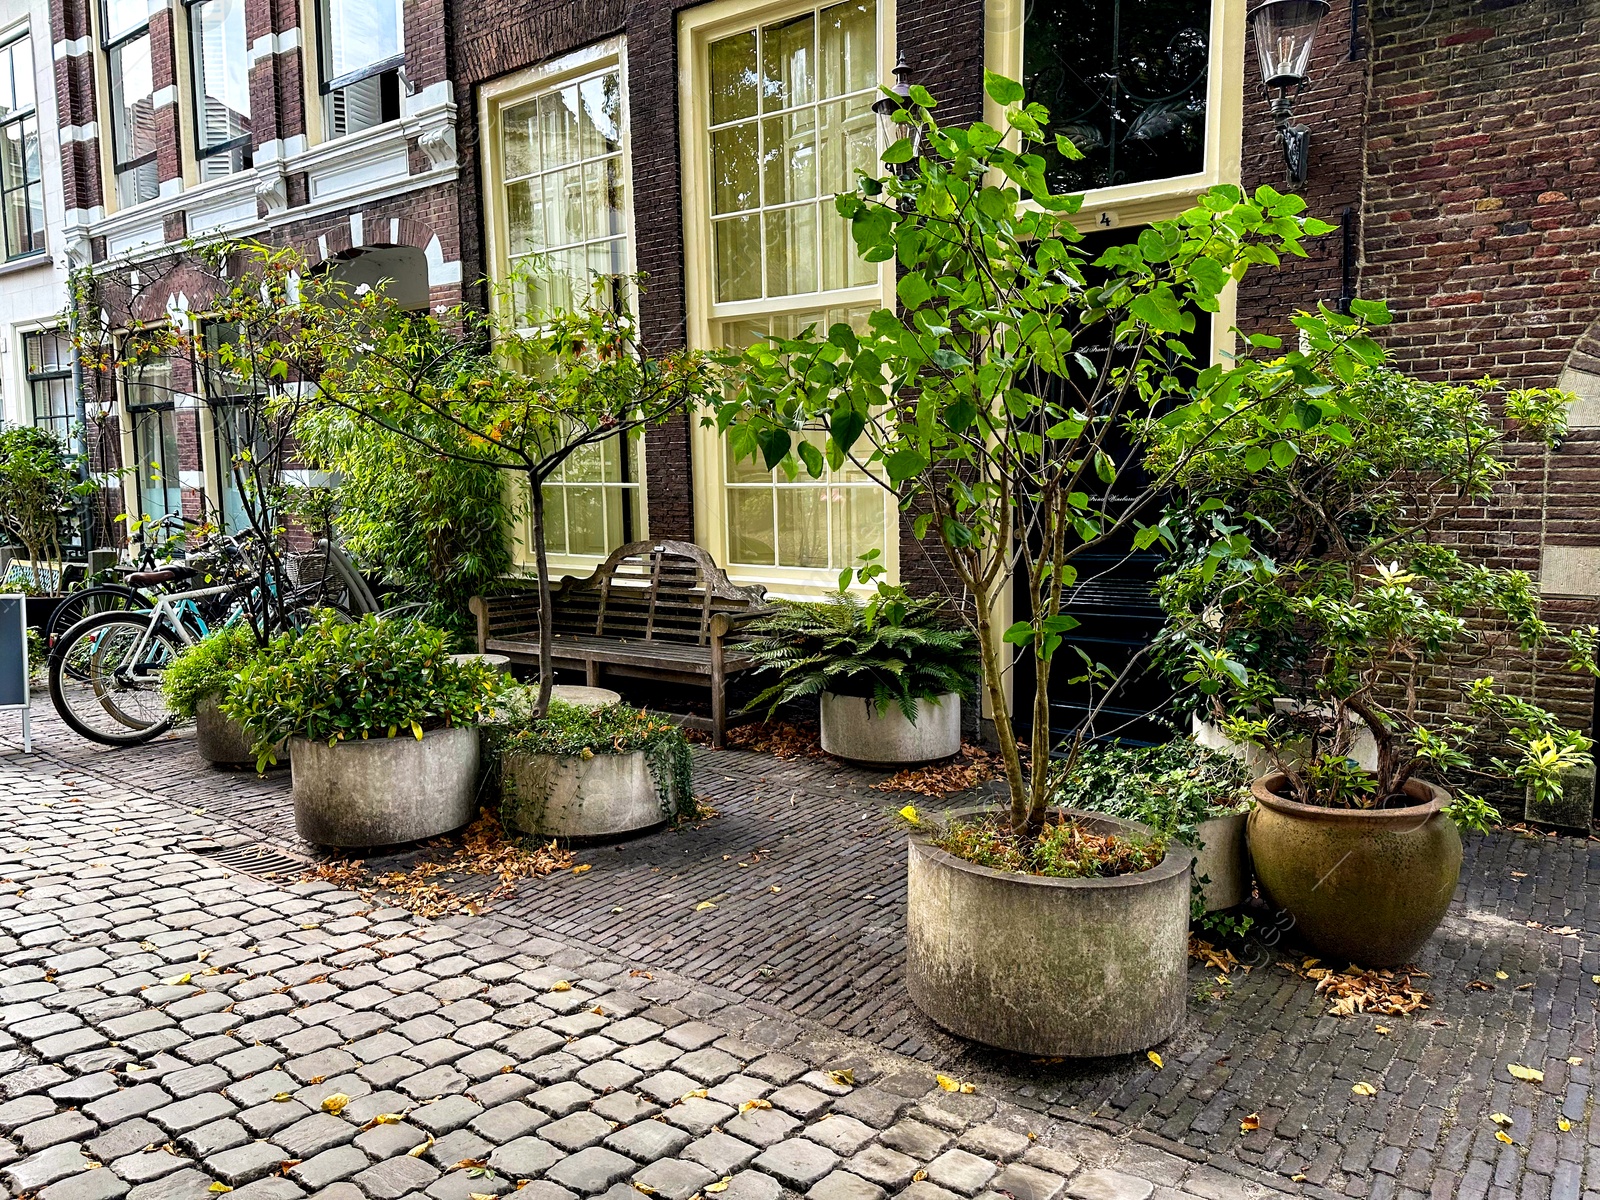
point(337, 680)
point(208, 668)
point(1173, 788)
point(892, 649)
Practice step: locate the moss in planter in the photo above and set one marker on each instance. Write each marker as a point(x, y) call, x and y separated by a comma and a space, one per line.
point(575, 731)
point(1064, 850)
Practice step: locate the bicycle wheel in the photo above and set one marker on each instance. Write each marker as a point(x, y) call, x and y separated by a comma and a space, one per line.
point(104, 597)
point(105, 688)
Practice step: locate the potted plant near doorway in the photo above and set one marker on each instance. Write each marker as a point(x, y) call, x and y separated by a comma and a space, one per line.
point(1005, 402)
point(889, 672)
point(381, 724)
point(1338, 620)
point(195, 685)
point(40, 486)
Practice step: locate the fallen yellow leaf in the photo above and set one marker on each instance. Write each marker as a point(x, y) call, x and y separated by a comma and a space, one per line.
point(1364, 1089)
point(1500, 1118)
point(581, 868)
point(1526, 1074)
point(697, 1094)
point(954, 1085)
point(419, 1151)
point(1500, 1135)
point(335, 1103)
point(282, 1096)
point(1574, 1062)
point(749, 1104)
point(1250, 1124)
point(218, 1186)
point(561, 985)
point(481, 1195)
point(1155, 1058)
point(1501, 975)
point(701, 907)
point(178, 980)
point(720, 1185)
point(845, 1078)
point(1564, 1125)
point(919, 1177)
point(1382, 1029)
point(643, 1187)
point(909, 812)
point(388, 1119)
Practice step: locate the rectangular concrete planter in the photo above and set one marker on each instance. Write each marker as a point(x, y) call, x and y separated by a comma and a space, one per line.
point(384, 791)
point(1076, 968)
point(1575, 807)
point(568, 796)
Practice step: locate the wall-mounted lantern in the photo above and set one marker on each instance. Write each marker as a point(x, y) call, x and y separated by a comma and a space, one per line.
point(898, 99)
point(1285, 31)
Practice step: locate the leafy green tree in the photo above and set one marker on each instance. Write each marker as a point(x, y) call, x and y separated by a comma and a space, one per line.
point(1009, 400)
point(1321, 593)
point(40, 486)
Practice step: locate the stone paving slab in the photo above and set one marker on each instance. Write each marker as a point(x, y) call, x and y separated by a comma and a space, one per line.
point(95, 872)
point(806, 875)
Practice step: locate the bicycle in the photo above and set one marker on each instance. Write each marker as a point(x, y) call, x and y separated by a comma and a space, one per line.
point(105, 672)
point(132, 593)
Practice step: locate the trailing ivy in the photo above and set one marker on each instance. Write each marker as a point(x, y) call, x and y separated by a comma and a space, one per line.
point(1172, 788)
point(575, 731)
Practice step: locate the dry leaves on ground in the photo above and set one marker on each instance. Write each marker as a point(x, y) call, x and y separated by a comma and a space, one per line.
point(974, 765)
point(1216, 959)
point(440, 886)
point(1362, 991)
point(781, 739)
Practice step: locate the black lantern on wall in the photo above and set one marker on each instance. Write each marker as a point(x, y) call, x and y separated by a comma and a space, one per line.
point(897, 99)
point(1285, 31)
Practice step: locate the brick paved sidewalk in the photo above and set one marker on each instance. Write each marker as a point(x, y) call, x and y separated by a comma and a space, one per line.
point(826, 948)
point(174, 1029)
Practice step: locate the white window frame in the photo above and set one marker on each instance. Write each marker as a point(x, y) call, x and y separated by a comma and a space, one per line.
point(697, 29)
point(510, 91)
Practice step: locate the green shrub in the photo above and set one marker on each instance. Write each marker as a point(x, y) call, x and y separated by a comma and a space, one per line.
point(893, 649)
point(1063, 850)
point(206, 668)
point(572, 730)
point(337, 680)
point(1172, 787)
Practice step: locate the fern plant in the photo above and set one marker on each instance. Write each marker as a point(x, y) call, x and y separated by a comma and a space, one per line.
point(892, 649)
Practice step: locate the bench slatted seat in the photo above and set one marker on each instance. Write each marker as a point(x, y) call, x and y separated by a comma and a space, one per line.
point(654, 610)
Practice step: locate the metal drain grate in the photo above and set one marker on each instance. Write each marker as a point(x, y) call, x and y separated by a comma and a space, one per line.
point(260, 861)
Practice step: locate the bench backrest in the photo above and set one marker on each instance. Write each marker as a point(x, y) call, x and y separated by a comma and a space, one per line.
point(645, 591)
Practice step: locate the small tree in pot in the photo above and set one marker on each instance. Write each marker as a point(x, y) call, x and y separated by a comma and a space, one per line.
point(1319, 602)
point(1008, 403)
point(40, 486)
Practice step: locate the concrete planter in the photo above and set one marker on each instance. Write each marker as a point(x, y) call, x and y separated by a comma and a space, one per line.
point(1223, 858)
point(1365, 886)
point(384, 791)
point(221, 740)
point(1056, 967)
point(853, 728)
point(1365, 750)
point(551, 795)
point(1575, 808)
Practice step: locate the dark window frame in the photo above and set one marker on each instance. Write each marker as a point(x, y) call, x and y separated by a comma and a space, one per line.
point(109, 44)
point(327, 85)
point(42, 375)
point(246, 140)
point(23, 119)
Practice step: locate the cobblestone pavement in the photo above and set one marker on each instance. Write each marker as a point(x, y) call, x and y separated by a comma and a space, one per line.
point(173, 1029)
point(824, 950)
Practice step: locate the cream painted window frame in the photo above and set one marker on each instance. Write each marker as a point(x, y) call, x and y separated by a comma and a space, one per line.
point(493, 97)
point(697, 28)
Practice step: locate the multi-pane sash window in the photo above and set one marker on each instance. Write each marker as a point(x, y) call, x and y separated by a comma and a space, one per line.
point(48, 365)
point(788, 106)
point(241, 442)
point(125, 37)
point(362, 48)
point(564, 228)
point(148, 391)
point(220, 56)
point(566, 191)
point(21, 189)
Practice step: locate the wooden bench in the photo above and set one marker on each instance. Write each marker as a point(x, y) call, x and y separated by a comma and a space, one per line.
point(653, 610)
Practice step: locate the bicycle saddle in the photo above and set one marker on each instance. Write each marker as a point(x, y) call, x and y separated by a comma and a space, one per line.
point(169, 574)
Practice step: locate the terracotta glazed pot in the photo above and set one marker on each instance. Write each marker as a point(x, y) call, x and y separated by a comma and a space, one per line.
point(1366, 886)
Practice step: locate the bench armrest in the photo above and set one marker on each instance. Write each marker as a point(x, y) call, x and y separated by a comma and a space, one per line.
point(724, 623)
point(479, 608)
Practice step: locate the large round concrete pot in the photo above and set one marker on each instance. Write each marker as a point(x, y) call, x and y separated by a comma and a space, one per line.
point(384, 791)
point(1222, 861)
point(221, 740)
point(552, 795)
point(1056, 967)
point(1366, 886)
point(853, 728)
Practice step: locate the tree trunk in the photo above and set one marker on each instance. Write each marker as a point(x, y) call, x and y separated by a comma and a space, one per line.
point(1005, 732)
point(1039, 742)
point(546, 618)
